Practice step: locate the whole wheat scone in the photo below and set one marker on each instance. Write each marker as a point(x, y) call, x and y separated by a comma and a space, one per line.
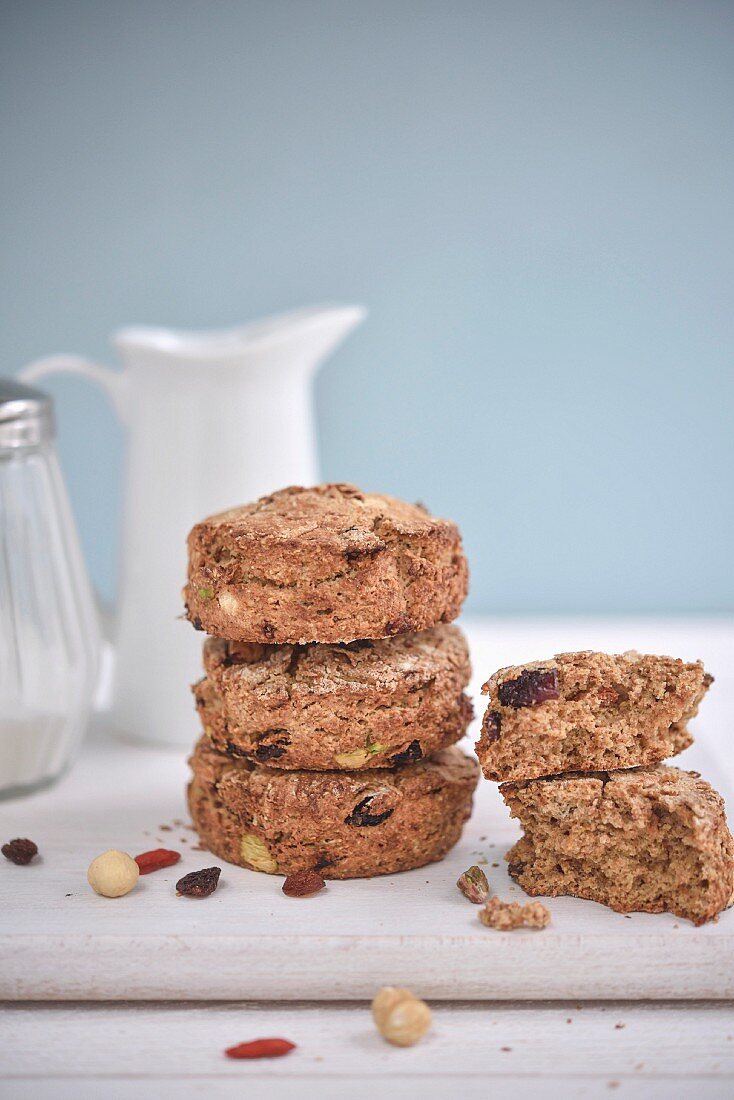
point(587, 711)
point(327, 564)
point(644, 839)
point(368, 704)
point(342, 824)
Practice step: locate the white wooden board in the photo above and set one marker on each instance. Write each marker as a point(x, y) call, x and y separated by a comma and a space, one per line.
point(59, 941)
point(526, 1051)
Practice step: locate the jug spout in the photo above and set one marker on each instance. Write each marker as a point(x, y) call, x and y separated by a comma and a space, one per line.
point(301, 338)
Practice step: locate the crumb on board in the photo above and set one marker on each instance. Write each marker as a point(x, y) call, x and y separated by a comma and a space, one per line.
point(507, 915)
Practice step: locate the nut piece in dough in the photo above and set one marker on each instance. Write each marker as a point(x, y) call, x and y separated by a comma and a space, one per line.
point(113, 874)
point(400, 1017)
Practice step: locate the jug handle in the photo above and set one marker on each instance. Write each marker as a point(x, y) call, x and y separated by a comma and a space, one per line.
point(112, 382)
point(114, 385)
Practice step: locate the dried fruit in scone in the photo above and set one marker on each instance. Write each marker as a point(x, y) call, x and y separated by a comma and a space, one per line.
point(366, 704)
point(340, 824)
point(588, 711)
point(649, 839)
point(326, 564)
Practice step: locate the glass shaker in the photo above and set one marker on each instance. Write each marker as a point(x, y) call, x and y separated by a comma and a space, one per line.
point(49, 633)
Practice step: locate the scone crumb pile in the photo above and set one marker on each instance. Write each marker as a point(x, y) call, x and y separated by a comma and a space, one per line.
point(334, 686)
point(508, 915)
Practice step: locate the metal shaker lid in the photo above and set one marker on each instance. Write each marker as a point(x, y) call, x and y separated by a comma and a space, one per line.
point(26, 415)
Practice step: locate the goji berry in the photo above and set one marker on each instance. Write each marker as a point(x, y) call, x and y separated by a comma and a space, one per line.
point(155, 860)
point(261, 1048)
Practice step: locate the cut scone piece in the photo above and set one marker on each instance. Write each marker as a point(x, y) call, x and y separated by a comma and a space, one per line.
point(587, 712)
point(367, 704)
point(644, 839)
point(326, 564)
point(342, 824)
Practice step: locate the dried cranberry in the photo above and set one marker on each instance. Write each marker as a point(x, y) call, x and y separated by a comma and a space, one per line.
point(303, 884)
point(199, 884)
point(532, 686)
point(492, 726)
point(20, 851)
point(413, 753)
point(361, 816)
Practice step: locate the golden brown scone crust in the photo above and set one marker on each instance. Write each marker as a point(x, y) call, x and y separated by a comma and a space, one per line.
point(368, 704)
point(343, 824)
point(327, 564)
point(611, 711)
point(646, 839)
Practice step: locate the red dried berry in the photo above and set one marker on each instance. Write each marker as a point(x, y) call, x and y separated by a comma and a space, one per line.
point(156, 860)
point(532, 686)
point(199, 884)
point(303, 884)
point(20, 851)
point(261, 1048)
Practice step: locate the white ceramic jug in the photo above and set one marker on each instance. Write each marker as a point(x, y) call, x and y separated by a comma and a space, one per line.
point(214, 419)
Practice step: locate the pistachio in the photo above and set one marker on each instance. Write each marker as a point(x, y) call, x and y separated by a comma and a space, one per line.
point(357, 758)
point(205, 593)
point(256, 854)
point(473, 885)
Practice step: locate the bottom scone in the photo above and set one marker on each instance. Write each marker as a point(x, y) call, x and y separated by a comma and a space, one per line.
point(643, 839)
point(342, 824)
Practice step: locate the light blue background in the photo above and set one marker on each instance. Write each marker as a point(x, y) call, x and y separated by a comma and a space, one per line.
point(535, 201)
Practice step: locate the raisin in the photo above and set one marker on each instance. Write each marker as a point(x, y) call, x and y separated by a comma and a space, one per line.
point(269, 752)
point(360, 815)
point(410, 755)
point(196, 623)
point(20, 851)
point(268, 631)
point(532, 686)
point(359, 552)
point(303, 884)
point(402, 625)
point(199, 884)
point(492, 726)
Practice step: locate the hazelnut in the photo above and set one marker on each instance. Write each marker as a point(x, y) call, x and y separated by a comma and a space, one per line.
point(400, 1017)
point(113, 874)
point(228, 603)
point(256, 854)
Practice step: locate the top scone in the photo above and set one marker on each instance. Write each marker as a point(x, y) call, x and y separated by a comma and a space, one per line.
point(588, 712)
point(327, 564)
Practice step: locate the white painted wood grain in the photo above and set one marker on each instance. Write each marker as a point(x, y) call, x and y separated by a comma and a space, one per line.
point(59, 941)
point(164, 1050)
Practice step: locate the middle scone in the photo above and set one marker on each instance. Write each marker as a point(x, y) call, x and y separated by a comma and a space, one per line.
point(355, 705)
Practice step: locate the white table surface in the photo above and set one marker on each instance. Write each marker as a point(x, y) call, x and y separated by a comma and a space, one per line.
point(159, 1049)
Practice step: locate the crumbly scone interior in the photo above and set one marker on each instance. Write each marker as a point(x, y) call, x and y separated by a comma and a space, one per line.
point(620, 839)
point(611, 712)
